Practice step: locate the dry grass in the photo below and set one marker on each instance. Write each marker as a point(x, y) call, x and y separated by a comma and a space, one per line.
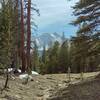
point(44, 86)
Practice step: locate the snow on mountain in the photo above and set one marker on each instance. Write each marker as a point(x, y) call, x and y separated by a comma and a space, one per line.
point(48, 39)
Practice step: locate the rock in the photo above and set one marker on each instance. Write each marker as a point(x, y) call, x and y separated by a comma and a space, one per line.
point(38, 98)
point(12, 70)
point(34, 73)
point(26, 78)
point(41, 88)
point(23, 76)
point(19, 70)
point(40, 94)
point(11, 97)
point(12, 77)
point(18, 97)
point(50, 78)
point(9, 70)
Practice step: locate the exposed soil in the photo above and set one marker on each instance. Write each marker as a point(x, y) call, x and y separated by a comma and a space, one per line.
point(53, 87)
point(88, 90)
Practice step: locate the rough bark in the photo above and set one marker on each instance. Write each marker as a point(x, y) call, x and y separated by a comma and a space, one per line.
point(28, 35)
point(22, 39)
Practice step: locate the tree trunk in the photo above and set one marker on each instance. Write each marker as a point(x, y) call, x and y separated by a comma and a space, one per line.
point(28, 35)
point(16, 31)
point(7, 78)
point(22, 39)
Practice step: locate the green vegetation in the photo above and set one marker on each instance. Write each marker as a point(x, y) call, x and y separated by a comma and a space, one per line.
point(81, 53)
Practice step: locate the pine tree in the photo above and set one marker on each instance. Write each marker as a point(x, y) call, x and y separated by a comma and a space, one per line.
point(44, 55)
point(80, 53)
point(28, 35)
point(35, 58)
point(53, 58)
point(22, 38)
point(63, 57)
point(87, 13)
point(6, 29)
point(6, 36)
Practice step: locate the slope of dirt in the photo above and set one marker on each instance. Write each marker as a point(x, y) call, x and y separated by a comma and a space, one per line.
point(87, 90)
point(52, 87)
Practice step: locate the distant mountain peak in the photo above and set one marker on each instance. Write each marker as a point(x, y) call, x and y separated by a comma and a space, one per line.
point(48, 39)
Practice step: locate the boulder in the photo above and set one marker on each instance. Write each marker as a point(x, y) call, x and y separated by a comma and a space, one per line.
point(25, 77)
point(34, 73)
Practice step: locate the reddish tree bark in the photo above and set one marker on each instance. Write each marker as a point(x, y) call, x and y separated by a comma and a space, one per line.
point(22, 39)
point(16, 35)
point(28, 34)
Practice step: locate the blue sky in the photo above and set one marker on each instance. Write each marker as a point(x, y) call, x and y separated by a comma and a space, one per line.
point(55, 16)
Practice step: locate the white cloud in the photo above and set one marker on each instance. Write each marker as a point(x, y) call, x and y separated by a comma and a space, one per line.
point(52, 11)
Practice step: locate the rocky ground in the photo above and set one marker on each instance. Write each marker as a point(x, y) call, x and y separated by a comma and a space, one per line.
point(53, 87)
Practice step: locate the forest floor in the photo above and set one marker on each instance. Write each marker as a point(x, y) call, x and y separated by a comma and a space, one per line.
point(53, 87)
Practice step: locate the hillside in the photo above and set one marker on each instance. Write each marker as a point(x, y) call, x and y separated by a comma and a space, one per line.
point(53, 87)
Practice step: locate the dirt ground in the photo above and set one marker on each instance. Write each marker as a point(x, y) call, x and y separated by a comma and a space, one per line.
point(87, 90)
point(52, 87)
